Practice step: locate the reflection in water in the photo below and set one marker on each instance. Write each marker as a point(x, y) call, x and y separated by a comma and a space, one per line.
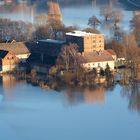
point(22, 12)
point(9, 82)
point(96, 95)
point(1, 98)
point(72, 96)
point(27, 12)
point(132, 92)
point(77, 96)
point(93, 96)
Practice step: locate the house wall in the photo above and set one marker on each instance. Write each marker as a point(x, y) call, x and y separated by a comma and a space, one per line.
point(9, 63)
point(93, 43)
point(96, 65)
point(7, 68)
point(23, 57)
point(87, 43)
point(77, 40)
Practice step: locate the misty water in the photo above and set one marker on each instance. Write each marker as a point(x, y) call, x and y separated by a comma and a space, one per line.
point(31, 113)
point(73, 13)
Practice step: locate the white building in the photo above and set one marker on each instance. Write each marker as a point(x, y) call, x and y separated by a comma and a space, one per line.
point(98, 60)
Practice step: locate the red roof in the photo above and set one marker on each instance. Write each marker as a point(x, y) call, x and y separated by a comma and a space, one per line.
point(100, 56)
point(112, 52)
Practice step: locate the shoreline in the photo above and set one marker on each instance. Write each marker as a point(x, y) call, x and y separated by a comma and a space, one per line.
point(59, 82)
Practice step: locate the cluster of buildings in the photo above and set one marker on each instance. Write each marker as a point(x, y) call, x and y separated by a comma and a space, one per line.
point(43, 54)
point(91, 47)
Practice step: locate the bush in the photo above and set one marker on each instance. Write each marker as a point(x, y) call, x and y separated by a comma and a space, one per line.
point(33, 73)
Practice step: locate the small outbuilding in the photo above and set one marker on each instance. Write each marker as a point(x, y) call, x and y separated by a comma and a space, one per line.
point(19, 49)
point(8, 61)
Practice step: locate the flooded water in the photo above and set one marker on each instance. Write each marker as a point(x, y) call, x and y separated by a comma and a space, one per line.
point(73, 13)
point(31, 113)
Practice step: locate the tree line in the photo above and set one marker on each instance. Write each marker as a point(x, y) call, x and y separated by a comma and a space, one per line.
point(14, 30)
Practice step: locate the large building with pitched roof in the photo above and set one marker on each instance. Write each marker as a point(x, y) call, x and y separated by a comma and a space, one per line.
point(98, 60)
point(91, 47)
point(19, 49)
point(87, 42)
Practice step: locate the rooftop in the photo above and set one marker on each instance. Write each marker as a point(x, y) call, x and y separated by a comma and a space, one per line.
point(80, 33)
point(52, 41)
point(98, 56)
point(3, 54)
point(16, 48)
point(112, 52)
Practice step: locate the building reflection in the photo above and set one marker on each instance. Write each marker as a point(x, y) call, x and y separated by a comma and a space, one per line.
point(93, 96)
point(9, 83)
point(87, 95)
point(73, 97)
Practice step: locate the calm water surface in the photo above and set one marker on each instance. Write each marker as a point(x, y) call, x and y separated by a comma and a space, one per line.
point(31, 113)
point(73, 14)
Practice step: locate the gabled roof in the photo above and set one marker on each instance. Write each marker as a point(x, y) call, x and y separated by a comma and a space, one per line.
point(100, 56)
point(81, 33)
point(52, 41)
point(16, 48)
point(3, 54)
point(112, 52)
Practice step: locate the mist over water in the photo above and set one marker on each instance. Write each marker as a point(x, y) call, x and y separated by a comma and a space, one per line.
point(75, 12)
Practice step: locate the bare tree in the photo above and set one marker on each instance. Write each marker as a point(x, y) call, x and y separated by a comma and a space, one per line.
point(42, 32)
point(135, 24)
point(106, 11)
point(93, 22)
point(132, 55)
point(69, 57)
point(132, 49)
point(56, 26)
point(132, 92)
point(91, 30)
point(41, 20)
point(116, 17)
point(15, 30)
